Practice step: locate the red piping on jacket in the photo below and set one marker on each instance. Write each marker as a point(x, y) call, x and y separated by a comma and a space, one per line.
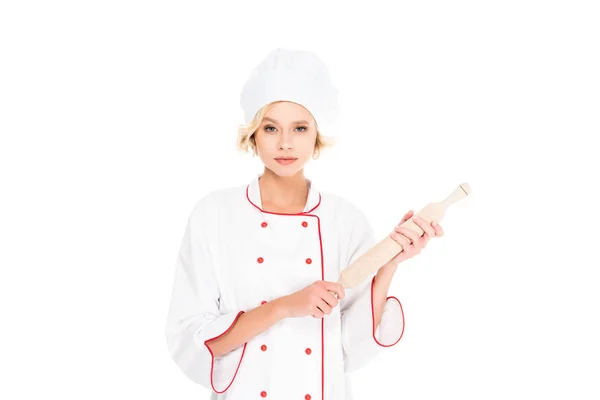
point(308, 214)
point(212, 363)
point(373, 317)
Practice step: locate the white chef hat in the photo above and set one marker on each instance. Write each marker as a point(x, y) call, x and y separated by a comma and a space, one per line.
point(292, 75)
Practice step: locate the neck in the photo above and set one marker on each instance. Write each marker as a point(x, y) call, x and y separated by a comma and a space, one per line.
point(283, 192)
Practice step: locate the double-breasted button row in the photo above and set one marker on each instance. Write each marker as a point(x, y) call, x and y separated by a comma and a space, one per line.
point(264, 224)
point(263, 394)
point(260, 260)
point(308, 351)
point(263, 347)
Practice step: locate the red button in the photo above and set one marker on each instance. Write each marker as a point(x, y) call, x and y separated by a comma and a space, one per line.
point(307, 397)
point(263, 302)
point(263, 394)
point(264, 224)
point(263, 347)
point(308, 351)
point(260, 259)
point(304, 224)
point(308, 261)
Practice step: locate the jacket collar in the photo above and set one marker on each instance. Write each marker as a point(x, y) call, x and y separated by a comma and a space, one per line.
point(253, 196)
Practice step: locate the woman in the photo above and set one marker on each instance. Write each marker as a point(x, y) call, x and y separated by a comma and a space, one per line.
point(255, 310)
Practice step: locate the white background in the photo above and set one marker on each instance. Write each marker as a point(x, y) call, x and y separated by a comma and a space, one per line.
point(117, 116)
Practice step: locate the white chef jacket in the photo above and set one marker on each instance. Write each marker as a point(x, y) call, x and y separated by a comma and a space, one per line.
point(234, 257)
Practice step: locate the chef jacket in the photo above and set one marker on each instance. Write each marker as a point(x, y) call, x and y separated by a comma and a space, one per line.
point(234, 257)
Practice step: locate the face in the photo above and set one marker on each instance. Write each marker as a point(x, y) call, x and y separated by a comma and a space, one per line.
point(287, 131)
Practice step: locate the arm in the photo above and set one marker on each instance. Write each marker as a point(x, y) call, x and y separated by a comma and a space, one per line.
point(247, 326)
point(371, 321)
point(381, 286)
point(194, 316)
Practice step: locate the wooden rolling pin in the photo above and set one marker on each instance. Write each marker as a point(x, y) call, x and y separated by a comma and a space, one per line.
point(381, 253)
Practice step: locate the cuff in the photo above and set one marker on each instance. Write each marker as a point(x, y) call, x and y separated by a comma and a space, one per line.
point(391, 327)
point(223, 369)
point(361, 341)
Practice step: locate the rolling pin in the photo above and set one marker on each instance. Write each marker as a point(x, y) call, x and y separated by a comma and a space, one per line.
point(382, 252)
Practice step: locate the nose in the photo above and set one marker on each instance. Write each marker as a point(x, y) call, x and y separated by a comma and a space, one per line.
point(285, 141)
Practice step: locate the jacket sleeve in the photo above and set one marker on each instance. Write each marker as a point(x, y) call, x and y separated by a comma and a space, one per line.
point(194, 318)
point(360, 341)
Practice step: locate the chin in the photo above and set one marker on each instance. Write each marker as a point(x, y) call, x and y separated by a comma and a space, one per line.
point(285, 171)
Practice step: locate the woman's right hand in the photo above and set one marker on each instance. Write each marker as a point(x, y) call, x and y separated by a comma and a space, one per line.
point(315, 299)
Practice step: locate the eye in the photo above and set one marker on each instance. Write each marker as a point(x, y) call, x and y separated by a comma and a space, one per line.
point(268, 128)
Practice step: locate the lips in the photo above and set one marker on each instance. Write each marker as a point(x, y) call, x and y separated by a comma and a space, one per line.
point(285, 160)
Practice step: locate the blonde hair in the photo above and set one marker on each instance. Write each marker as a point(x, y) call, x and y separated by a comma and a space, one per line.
point(246, 140)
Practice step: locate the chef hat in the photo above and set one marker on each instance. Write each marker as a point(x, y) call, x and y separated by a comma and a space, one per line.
point(291, 75)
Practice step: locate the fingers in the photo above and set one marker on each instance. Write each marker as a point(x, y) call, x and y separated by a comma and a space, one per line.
point(335, 287)
point(410, 235)
point(438, 229)
point(413, 242)
point(407, 216)
point(427, 227)
point(324, 297)
point(323, 307)
point(329, 298)
point(400, 239)
point(317, 313)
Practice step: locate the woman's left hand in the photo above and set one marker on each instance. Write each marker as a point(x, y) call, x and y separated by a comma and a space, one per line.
point(410, 241)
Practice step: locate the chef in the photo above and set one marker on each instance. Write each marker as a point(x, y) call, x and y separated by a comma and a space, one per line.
point(255, 311)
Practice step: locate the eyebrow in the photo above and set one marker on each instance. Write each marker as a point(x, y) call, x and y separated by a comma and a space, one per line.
point(294, 122)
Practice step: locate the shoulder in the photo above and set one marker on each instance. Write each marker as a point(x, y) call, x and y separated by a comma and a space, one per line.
point(344, 209)
point(340, 202)
point(209, 206)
